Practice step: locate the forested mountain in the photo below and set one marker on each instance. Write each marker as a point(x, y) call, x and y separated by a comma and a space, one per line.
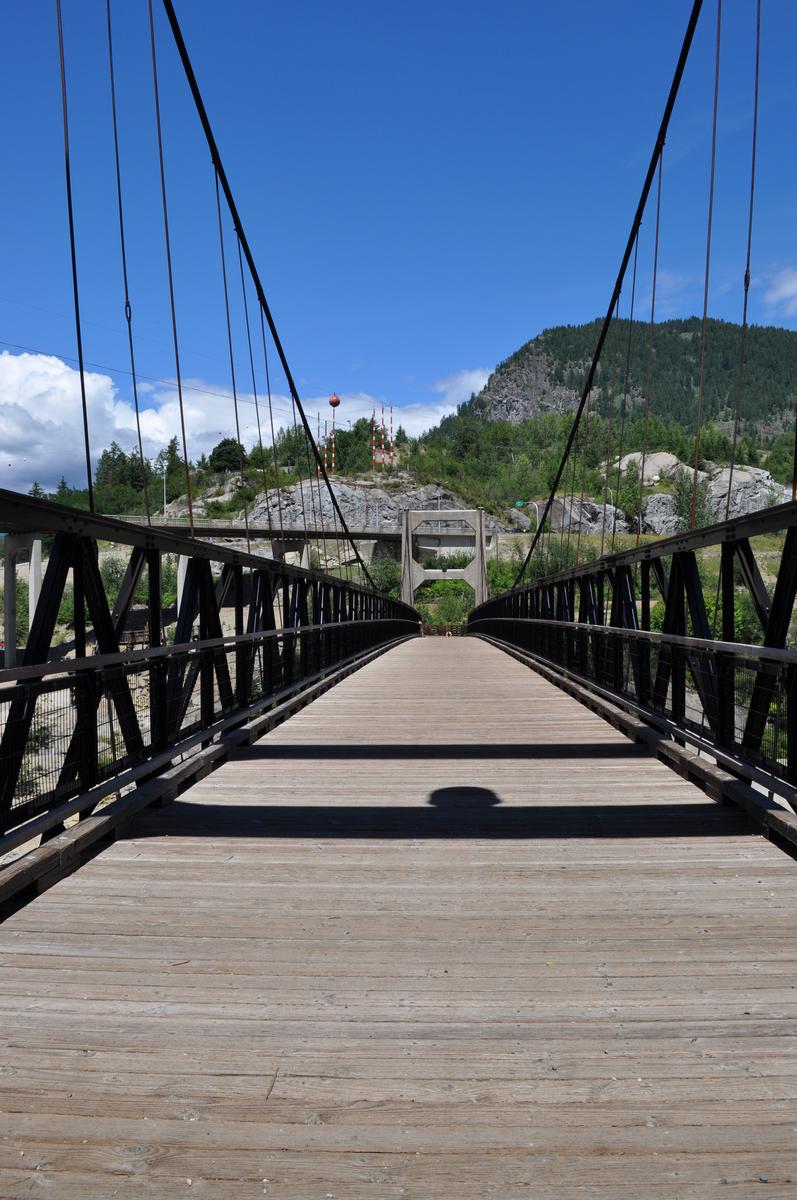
point(547, 373)
point(506, 443)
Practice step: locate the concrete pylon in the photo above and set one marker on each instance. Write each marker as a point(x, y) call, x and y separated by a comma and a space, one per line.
point(15, 544)
point(413, 574)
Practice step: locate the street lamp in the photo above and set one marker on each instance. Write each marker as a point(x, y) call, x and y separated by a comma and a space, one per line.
point(536, 508)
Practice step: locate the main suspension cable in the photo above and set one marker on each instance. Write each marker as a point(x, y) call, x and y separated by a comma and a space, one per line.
point(660, 138)
point(704, 326)
point(626, 384)
point(232, 364)
point(128, 309)
point(254, 385)
point(273, 436)
point(169, 272)
point(743, 339)
point(649, 364)
point(610, 423)
point(233, 209)
point(584, 469)
point(73, 256)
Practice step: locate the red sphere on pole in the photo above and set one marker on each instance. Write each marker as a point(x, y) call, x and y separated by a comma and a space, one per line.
point(334, 400)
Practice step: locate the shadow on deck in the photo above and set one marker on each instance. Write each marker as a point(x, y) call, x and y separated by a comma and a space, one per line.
point(450, 812)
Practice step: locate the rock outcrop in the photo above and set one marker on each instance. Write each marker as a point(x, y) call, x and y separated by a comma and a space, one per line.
point(365, 504)
point(659, 515)
point(588, 517)
point(752, 489)
point(525, 387)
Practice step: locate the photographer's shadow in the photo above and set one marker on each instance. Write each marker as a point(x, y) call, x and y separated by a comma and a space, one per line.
point(467, 809)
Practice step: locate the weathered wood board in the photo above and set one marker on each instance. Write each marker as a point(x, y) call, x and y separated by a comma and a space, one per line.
point(444, 934)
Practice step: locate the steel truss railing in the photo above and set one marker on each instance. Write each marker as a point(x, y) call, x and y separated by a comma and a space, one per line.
point(67, 726)
point(593, 623)
point(97, 717)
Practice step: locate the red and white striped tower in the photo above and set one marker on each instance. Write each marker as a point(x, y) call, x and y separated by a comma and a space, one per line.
point(383, 437)
point(392, 443)
point(334, 401)
point(318, 443)
point(373, 439)
point(326, 465)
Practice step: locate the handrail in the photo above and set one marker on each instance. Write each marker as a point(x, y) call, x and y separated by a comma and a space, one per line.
point(745, 649)
point(71, 666)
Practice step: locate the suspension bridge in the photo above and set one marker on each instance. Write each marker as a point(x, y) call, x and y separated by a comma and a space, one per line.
point(300, 903)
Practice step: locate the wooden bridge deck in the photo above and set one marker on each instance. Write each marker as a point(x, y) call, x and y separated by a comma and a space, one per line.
point(443, 934)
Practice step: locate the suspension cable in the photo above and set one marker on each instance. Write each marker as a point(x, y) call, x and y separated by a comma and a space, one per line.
point(169, 272)
point(232, 364)
point(649, 364)
point(610, 423)
point(73, 256)
point(254, 386)
point(273, 437)
point(660, 138)
point(584, 469)
point(743, 340)
point(128, 309)
point(250, 262)
point(569, 503)
point(626, 382)
point(704, 326)
point(298, 470)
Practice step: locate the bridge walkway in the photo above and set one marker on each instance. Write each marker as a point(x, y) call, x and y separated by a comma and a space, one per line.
point(444, 934)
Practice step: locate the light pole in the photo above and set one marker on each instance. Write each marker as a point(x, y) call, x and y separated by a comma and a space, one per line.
point(164, 489)
point(536, 508)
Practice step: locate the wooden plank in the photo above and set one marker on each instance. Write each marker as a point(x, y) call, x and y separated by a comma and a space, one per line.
point(445, 932)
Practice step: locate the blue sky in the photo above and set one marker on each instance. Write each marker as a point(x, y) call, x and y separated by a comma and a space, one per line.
point(425, 186)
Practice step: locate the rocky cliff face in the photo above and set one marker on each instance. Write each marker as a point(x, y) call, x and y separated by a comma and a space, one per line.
point(524, 387)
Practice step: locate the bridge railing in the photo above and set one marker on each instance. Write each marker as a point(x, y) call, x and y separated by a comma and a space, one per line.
point(99, 717)
point(742, 699)
point(692, 676)
point(89, 724)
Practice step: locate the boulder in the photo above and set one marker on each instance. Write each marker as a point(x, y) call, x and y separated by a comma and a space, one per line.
point(588, 517)
point(658, 514)
point(752, 489)
point(659, 464)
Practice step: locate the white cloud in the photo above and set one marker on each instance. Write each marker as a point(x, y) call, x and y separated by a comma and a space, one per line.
point(781, 294)
point(41, 424)
point(459, 387)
